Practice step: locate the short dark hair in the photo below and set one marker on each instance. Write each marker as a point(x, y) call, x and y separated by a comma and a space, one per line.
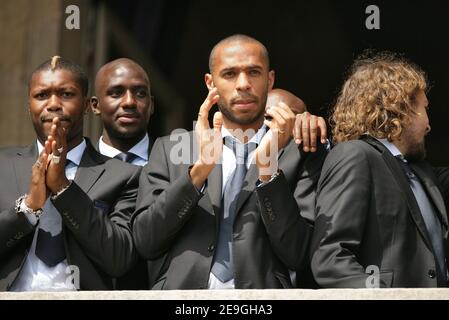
point(60, 63)
point(238, 38)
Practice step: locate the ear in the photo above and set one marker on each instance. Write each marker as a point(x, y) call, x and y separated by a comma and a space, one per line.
point(209, 82)
point(270, 80)
point(94, 105)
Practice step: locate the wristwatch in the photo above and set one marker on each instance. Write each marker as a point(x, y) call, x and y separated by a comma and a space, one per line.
point(23, 208)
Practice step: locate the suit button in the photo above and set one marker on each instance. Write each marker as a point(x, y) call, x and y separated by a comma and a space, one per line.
point(431, 273)
point(211, 248)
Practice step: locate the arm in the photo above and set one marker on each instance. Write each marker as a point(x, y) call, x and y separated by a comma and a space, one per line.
point(284, 211)
point(15, 226)
point(342, 208)
point(163, 206)
point(105, 236)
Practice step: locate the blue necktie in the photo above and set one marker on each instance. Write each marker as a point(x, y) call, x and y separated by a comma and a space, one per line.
point(223, 264)
point(126, 156)
point(50, 241)
point(430, 218)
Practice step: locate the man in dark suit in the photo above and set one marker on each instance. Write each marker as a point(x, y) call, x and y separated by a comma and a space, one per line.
point(381, 213)
point(70, 228)
point(234, 214)
point(124, 104)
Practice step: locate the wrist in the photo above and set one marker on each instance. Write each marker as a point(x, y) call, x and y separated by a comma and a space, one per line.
point(199, 173)
point(59, 187)
point(22, 207)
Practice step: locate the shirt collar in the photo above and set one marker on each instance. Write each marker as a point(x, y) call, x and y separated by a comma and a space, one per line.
point(73, 155)
point(256, 138)
point(140, 149)
point(392, 148)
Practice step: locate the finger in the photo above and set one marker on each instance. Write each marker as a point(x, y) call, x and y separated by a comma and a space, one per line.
point(218, 121)
point(285, 112)
point(287, 109)
point(323, 129)
point(297, 129)
point(313, 133)
point(278, 119)
point(305, 131)
point(211, 99)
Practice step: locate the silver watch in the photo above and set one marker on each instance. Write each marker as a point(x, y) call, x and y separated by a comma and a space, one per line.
point(23, 208)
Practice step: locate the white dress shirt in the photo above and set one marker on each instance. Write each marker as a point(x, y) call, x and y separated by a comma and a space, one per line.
point(140, 150)
point(35, 275)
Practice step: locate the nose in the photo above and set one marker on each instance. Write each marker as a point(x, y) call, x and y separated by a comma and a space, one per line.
point(428, 128)
point(54, 103)
point(243, 82)
point(129, 100)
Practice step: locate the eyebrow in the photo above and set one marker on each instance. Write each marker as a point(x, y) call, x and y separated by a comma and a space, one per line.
point(254, 66)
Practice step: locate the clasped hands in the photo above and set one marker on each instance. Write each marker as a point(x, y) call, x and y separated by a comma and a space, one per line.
point(48, 172)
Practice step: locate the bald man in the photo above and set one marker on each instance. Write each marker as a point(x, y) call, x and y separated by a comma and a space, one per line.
point(123, 102)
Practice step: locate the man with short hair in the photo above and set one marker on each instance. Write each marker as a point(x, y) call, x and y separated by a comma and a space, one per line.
point(381, 213)
point(238, 213)
point(124, 104)
point(65, 208)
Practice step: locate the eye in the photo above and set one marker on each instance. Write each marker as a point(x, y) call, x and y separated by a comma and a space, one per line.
point(67, 94)
point(254, 72)
point(115, 93)
point(141, 93)
point(228, 74)
point(41, 95)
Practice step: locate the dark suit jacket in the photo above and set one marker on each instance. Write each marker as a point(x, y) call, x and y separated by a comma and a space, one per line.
point(137, 277)
point(95, 211)
point(367, 215)
point(175, 222)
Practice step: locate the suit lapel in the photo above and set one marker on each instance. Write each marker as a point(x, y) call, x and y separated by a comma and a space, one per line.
point(214, 182)
point(22, 167)
point(432, 191)
point(90, 169)
point(404, 185)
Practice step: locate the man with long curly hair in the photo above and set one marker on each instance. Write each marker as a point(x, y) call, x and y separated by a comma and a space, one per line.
point(381, 209)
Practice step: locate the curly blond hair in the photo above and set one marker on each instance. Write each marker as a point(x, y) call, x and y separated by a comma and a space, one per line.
point(378, 98)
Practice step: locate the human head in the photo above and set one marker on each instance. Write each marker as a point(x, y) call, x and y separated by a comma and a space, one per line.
point(240, 70)
point(58, 88)
point(381, 98)
point(123, 100)
point(279, 95)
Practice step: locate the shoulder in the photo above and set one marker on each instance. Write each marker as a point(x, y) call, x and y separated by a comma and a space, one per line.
point(14, 151)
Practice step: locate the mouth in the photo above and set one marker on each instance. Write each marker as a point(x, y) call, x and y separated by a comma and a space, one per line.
point(244, 104)
point(128, 118)
point(49, 119)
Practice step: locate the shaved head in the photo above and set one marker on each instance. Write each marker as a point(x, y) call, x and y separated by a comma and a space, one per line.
point(115, 66)
point(279, 95)
point(236, 39)
point(123, 102)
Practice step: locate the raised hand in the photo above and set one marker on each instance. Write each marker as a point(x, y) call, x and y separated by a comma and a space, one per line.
point(210, 143)
point(281, 131)
point(307, 130)
point(38, 191)
point(56, 147)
